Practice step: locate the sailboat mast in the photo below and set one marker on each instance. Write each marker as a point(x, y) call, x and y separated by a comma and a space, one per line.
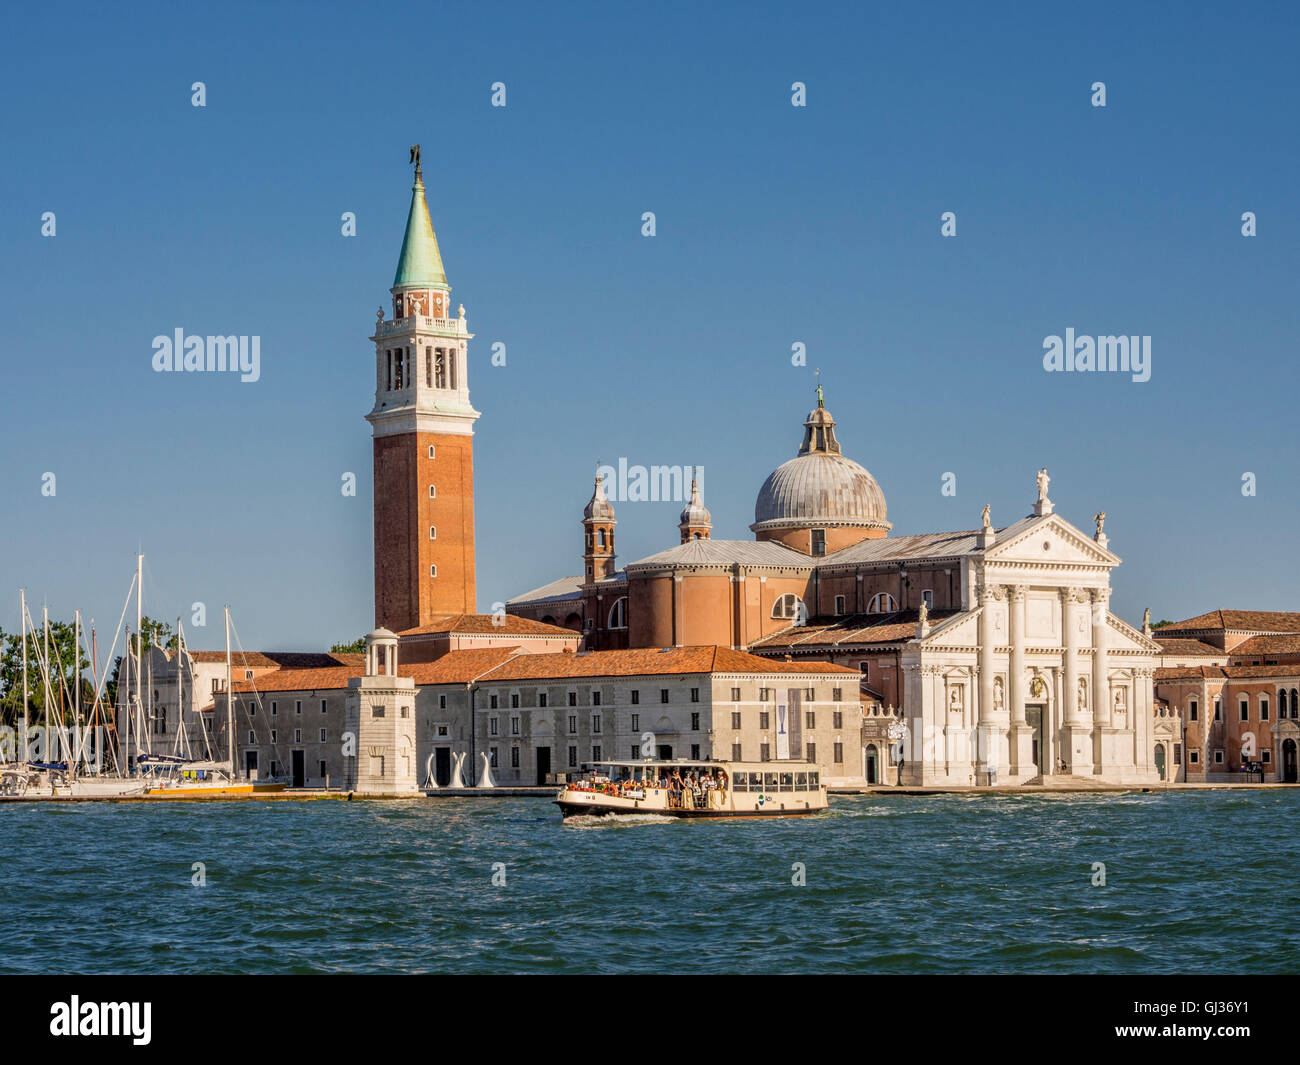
point(51, 743)
point(139, 612)
point(22, 597)
point(230, 701)
point(76, 695)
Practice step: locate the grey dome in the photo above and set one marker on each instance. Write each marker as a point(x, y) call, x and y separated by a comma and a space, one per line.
point(819, 486)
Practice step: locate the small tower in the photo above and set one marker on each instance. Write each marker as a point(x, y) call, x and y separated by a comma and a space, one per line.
point(598, 526)
point(696, 522)
point(380, 716)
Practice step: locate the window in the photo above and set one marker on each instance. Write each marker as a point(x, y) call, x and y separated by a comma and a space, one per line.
point(881, 603)
point(618, 614)
point(595, 698)
point(695, 722)
point(812, 752)
point(273, 740)
point(1178, 754)
point(297, 706)
point(789, 607)
point(433, 532)
point(695, 695)
point(865, 669)
point(433, 492)
point(1263, 707)
point(514, 757)
point(764, 752)
point(1244, 708)
point(735, 695)
point(432, 452)
point(1193, 713)
point(811, 693)
point(377, 711)
point(573, 756)
point(735, 753)
point(541, 699)
point(514, 700)
point(838, 756)
point(1218, 758)
point(492, 726)
point(433, 571)
point(492, 701)
point(695, 750)
point(1193, 757)
point(1265, 756)
point(735, 719)
point(837, 695)
point(663, 695)
point(248, 674)
point(636, 697)
point(252, 709)
point(322, 739)
point(273, 708)
point(819, 541)
point(492, 757)
point(596, 752)
point(442, 702)
point(573, 698)
point(636, 750)
point(810, 718)
point(514, 726)
point(595, 722)
point(927, 597)
point(764, 694)
point(297, 735)
point(1218, 709)
point(636, 722)
point(573, 724)
point(322, 706)
point(251, 738)
point(764, 719)
point(323, 771)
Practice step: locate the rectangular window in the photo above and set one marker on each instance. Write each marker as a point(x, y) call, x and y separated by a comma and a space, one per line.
point(428, 378)
point(695, 695)
point(1244, 709)
point(663, 695)
point(492, 701)
point(812, 693)
point(1218, 709)
point(297, 735)
point(377, 711)
point(322, 706)
point(810, 718)
point(442, 702)
point(492, 726)
point(595, 698)
point(1178, 754)
point(252, 709)
point(1192, 714)
point(1265, 756)
point(273, 708)
point(927, 597)
point(324, 773)
point(735, 695)
point(492, 757)
point(819, 541)
point(735, 719)
point(764, 694)
point(322, 735)
point(764, 719)
point(812, 752)
point(251, 738)
point(764, 752)
point(541, 698)
point(837, 719)
point(273, 740)
point(864, 669)
point(636, 722)
point(839, 604)
point(514, 757)
point(514, 726)
point(573, 756)
point(636, 697)
point(297, 706)
point(837, 695)
point(573, 698)
point(695, 722)
point(1263, 707)
point(1193, 757)
point(838, 756)
point(636, 751)
point(695, 750)
point(514, 700)
point(735, 753)
point(573, 724)
point(1218, 758)
point(596, 753)
point(595, 722)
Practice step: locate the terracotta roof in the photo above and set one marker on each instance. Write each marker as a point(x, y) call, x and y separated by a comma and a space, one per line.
point(851, 630)
point(1239, 621)
point(293, 680)
point(460, 667)
point(728, 552)
point(1268, 645)
point(279, 659)
point(489, 624)
point(1178, 645)
point(651, 662)
point(1226, 672)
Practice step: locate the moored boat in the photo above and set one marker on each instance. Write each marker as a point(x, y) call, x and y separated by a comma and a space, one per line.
point(694, 789)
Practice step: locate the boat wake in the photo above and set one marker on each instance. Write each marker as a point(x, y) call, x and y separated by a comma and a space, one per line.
point(616, 820)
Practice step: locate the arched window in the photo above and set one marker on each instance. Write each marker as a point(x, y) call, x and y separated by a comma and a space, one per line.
point(881, 603)
point(433, 532)
point(600, 537)
point(839, 604)
point(789, 608)
point(1281, 702)
point(1295, 703)
point(618, 614)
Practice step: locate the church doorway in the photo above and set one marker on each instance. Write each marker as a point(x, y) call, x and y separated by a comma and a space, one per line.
point(872, 762)
point(1160, 760)
point(1034, 719)
point(1288, 762)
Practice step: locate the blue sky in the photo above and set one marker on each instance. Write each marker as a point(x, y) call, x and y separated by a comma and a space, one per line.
point(775, 225)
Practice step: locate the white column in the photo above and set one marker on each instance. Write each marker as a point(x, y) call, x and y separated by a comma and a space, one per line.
point(1101, 702)
point(1016, 668)
point(1070, 640)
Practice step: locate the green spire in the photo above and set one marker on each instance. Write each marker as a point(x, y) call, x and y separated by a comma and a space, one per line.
point(420, 262)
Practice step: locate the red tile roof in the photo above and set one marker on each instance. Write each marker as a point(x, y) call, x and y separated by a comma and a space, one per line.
point(1239, 621)
point(280, 659)
point(851, 630)
point(1181, 645)
point(1268, 645)
point(489, 624)
point(1173, 673)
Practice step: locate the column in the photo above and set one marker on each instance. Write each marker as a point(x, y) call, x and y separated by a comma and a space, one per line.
point(1070, 640)
point(1101, 701)
point(1016, 669)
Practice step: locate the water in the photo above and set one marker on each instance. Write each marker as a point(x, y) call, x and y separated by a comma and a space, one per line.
point(1195, 882)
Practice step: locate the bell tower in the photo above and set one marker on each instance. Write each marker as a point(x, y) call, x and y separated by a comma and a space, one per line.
point(423, 428)
point(598, 535)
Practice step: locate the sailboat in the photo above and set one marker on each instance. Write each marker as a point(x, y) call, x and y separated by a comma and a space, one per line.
point(176, 777)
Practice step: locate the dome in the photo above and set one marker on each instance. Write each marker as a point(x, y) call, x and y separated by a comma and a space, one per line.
point(598, 507)
point(819, 486)
point(695, 512)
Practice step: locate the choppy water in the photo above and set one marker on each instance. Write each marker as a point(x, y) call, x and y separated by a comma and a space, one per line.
point(1195, 882)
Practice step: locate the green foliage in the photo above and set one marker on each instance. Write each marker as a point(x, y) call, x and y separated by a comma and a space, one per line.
point(356, 647)
point(68, 665)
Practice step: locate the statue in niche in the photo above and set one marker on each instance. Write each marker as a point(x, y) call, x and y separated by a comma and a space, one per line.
point(1083, 694)
point(998, 698)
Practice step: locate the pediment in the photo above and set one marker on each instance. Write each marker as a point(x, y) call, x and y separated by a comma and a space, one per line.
point(959, 631)
point(1052, 540)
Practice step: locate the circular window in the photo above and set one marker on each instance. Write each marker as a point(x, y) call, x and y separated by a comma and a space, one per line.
point(1047, 545)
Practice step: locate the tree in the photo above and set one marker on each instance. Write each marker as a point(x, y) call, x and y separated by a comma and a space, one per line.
point(68, 664)
point(356, 647)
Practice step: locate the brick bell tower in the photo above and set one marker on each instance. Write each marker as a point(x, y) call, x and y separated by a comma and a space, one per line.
point(423, 427)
